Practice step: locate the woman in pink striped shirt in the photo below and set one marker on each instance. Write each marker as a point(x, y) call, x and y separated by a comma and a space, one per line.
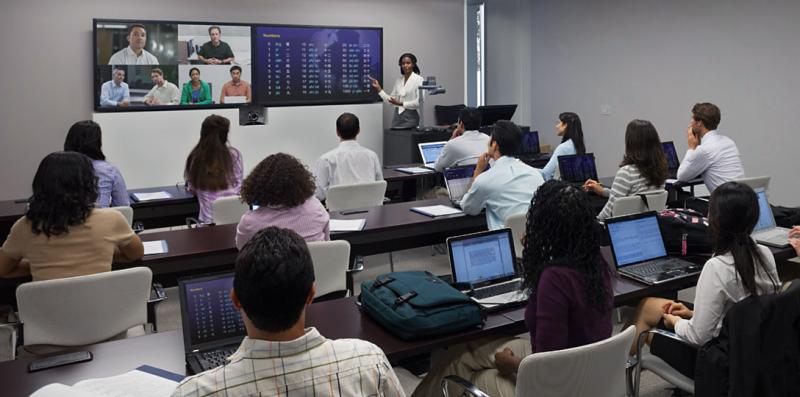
point(282, 191)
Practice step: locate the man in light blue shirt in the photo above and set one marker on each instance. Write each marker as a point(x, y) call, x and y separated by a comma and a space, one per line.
point(508, 187)
point(115, 92)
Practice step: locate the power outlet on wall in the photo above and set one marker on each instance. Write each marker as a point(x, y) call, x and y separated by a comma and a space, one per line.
point(605, 110)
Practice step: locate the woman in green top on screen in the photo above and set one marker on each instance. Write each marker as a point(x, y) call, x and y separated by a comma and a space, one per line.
point(196, 91)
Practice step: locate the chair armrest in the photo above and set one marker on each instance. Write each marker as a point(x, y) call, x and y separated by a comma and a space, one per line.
point(466, 385)
point(637, 362)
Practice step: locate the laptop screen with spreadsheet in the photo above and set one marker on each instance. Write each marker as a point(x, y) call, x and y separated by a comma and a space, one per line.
point(481, 258)
point(636, 238)
point(208, 315)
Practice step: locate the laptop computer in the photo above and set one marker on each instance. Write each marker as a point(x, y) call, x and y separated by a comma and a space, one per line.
point(212, 327)
point(485, 264)
point(491, 114)
point(530, 149)
point(577, 168)
point(639, 250)
point(457, 181)
point(430, 151)
point(766, 231)
point(672, 159)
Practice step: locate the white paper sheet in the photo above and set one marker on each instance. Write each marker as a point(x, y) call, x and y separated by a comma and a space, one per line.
point(152, 196)
point(414, 170)
point(155, 247)
point(347, 225)
point(437, 210)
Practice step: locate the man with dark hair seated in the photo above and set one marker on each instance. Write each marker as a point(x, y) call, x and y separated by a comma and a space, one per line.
point(273, 285)
point(466, 144)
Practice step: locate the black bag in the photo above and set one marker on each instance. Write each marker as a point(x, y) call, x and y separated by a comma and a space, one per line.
point(685, 232)
point(786, 216)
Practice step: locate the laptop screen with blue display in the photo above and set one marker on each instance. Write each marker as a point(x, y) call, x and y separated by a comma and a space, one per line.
point(430, 151)
point(577, 168)
point(530, 143)
point(482, 257)
point(672, 156)
point(765, 218)
point(636, 240)
point(208, 311)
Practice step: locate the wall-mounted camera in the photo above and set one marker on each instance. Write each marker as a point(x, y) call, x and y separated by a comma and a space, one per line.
point(252, 115)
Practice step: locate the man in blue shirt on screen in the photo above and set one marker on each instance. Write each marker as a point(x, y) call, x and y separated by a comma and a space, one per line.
point(115, 92)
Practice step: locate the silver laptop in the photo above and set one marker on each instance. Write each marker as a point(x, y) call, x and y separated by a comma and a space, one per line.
point(766, 231)
point(457, 180)
point(484, 263)
point(430, 151)
point(639, 250)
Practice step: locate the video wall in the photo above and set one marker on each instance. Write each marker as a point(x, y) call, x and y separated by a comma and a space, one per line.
point(155, 65)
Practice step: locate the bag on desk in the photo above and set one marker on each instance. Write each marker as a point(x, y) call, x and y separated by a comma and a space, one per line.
point(414, 305)
point(685, 232)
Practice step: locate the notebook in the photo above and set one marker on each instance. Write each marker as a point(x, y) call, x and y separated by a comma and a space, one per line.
point(457, 181)
point(485, 264)
point(577, 168)
point(639, 250)
point(430, 151)
point(530, 149)
point(212, 327)
point(766, 231)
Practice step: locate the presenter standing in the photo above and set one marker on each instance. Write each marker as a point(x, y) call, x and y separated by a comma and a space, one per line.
point(405, 93)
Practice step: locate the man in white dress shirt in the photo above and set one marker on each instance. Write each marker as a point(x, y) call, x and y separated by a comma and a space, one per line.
point(134, 53)
point(466, 144)
point(710, 154)
point(163, 92)
point(349, 163)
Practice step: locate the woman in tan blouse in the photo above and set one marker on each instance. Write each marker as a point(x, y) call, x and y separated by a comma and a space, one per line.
point(62, 234)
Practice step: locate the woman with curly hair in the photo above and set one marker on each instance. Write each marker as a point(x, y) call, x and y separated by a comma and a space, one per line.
point(283, 190)
point(643, 168)
point(62, 234)
point(213, 168)
point(570, 295)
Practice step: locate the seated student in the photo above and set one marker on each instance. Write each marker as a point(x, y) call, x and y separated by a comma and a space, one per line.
point(273, 285)
point(570, 302)
point(85, 137)
point(508, 186)
point(62, 234)
point(349, 163)
point(643, 168)
point(710, 154)
point(466, 144)
point(738, 269)
point(283, 189)
point(571, 132)
point(213, 168)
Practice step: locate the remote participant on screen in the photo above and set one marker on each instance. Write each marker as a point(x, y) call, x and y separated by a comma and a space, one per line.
point(196, 91)
point(134, 53)
point(163, 92)
point(215, 51)
point(236, 88)
point(115, 92)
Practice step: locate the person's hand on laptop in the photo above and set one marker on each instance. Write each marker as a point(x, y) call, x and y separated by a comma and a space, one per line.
point(592, 185)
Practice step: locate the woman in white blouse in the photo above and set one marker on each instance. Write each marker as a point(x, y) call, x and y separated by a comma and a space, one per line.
point(738, 269)
point(405, 93)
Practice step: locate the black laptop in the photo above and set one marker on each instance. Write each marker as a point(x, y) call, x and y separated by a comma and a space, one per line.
point(212, 327)
point(530, 149)
point(577, 168)
point(672, 159)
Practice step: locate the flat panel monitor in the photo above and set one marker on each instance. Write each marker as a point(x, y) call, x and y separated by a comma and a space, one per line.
point(530, 143)
point(490, 114)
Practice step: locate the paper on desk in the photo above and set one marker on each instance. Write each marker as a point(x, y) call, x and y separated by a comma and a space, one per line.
point(155, 247)
point(414, 170)
point(152, 196)
point(130, 384)
point(437, 210)
point(347, 225)
point(671, 181)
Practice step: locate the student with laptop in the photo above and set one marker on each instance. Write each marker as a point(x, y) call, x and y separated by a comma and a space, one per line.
point(738, 269)
point(272, 286)
point(571, 132)
point(643, 167)
point(508, 186)
point(349, 163)
point(466, 144)
point(570, 296)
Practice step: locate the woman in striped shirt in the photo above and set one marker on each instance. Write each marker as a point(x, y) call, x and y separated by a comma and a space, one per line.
point(643, 168)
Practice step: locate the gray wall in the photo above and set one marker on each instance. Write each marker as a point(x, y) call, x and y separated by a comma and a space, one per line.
point(47, 76)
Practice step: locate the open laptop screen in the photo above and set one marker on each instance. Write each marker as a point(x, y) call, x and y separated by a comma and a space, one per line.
point(457, 180)
point(577, 168)
point(482, 257)
point(430, 151)
point(765, 218)
point(636, 239)
point(208, 312)
point(530, 143)
point(672, 156)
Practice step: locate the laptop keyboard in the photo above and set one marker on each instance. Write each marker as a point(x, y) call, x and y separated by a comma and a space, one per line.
point(775, 234)
point(647, 269)
point(215, 358)
point(495, 290)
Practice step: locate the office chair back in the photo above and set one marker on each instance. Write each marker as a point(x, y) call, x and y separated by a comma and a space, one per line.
point(656, 201)
point(597, 369)
point(83, 310)
point(357, 195)
point(516, 223)
point(756, 182)
point(330, 259)
point(228, 209)
point(126, 211)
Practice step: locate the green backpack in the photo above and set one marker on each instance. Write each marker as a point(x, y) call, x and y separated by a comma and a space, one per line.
point(415, 305)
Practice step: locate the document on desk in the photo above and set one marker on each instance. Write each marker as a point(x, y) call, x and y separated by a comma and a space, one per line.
point(142, 196)
point(671, 181)
point(155, 247)
point(414, 170)
point(143, 381)
point(347, 225)
point(437, 210)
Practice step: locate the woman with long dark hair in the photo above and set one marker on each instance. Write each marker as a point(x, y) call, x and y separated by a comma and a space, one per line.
point(62, 234)
point(738, 269)
point(85, 137)
point(571, 132)
point(570, 295)
point(405, 93)
point(643, 168)
point(213, 168)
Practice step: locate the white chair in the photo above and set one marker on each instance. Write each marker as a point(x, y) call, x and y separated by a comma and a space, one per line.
point(516, 223)
point(82, 310)
point(755, 182)
point(330, 260)
point(126, 211)
point(357, 195)
point(596, 369)
point(228, 209)
point(656, 201)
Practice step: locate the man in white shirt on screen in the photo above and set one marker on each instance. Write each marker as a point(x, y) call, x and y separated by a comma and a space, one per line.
point(710, 154)
point(349, 163)
point(163, 92)
point(134, 53)
point(466, 144)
